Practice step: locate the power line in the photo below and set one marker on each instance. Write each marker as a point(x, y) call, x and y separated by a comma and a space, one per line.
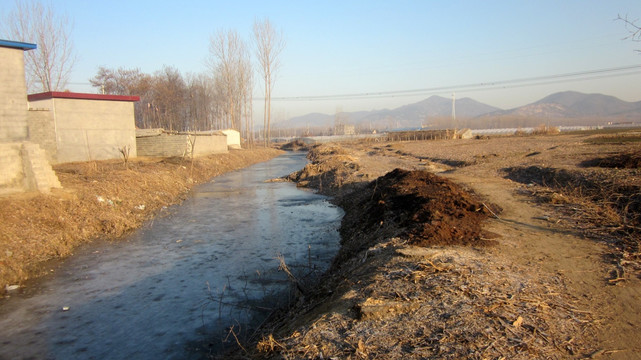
point(529, 81)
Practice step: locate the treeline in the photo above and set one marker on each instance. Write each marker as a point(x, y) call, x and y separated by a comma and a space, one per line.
point(219, 98)
point(195, 102)
point(168, 99)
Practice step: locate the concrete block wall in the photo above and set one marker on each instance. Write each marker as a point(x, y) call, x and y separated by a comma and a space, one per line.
point(166, 145)
point(87, 130)
point(13, 95)
point(93, 129)
point(210, 144)
point(11, 172)
point(24, 167)
point(233, 138)
point(38, 174)
point(42, 131)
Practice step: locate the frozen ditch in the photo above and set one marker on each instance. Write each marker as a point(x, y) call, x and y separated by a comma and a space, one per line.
point(158, 293)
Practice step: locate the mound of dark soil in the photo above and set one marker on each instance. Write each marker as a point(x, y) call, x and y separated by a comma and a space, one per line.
point(550, 177)
point(427, 209)
point(631, 160)
point(329, 172)
point(296, 145)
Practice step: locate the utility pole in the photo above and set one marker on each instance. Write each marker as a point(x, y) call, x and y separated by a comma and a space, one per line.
point(454, 122)
point(454, 110)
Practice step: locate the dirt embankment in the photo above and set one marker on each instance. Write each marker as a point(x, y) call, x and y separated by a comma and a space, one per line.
point(98, 199)
point(419, 277)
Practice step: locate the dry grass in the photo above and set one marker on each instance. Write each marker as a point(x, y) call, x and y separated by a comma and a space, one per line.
point(444, 303)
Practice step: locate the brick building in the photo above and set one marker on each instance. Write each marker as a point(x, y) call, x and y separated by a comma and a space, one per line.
point(23, 164)
point(82, 127)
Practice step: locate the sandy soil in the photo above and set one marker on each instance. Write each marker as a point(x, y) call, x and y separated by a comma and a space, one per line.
point(99, 199)
point(561, 280)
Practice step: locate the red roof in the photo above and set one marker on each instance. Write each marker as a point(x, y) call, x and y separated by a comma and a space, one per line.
point(82, 96)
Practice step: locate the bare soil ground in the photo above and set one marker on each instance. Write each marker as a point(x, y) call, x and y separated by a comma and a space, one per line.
point(421, 275)
point(99, 199)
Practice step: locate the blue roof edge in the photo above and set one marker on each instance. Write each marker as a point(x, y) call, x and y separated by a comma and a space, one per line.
point(17, 45)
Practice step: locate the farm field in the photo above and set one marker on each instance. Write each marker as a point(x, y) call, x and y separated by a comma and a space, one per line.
point(520, 247)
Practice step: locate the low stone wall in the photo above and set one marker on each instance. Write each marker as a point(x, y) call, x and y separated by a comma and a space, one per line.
point(159, 143)
point(210, 144)
point(420, 135)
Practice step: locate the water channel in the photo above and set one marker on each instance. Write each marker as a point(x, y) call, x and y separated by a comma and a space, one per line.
point(175, 288)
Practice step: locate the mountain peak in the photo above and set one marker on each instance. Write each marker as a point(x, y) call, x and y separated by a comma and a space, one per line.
point(576, 104)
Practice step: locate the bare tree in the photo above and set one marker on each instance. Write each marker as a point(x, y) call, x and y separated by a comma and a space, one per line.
point(167, 99)
point(170, 93)
point(229, 62)
point(269, 44)
point(246, 82)
point(129, 82)
point(201, 101)
point(632, 27)
point(49, 66)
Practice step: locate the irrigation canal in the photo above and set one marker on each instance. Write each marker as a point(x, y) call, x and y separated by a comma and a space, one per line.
point(178, 286)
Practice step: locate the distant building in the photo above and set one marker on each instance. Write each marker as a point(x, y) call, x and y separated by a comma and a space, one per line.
point(343, 129)
point(464, 134)
point(82, 127)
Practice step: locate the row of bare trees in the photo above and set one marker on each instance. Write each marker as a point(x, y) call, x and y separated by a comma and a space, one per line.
point(230, 64)
point(167, 98)
point(221, 97)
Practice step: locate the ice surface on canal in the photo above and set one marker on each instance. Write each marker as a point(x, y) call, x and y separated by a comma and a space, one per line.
point(155, 294)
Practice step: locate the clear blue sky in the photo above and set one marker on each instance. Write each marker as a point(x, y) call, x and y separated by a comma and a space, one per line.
point(345, 47)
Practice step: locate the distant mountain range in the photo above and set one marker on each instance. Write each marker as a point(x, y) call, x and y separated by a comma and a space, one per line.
point(563, 108)
point(572, 104)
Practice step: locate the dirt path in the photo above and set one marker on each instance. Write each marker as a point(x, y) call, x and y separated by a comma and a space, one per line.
point(529, 239)
point(533, 236)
